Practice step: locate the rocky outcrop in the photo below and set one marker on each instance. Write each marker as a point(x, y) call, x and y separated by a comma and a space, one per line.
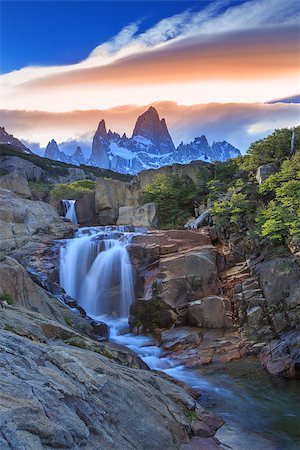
point(29, 170)
point(263, 172)
point(15, 181)
point(282, 356)
point(62, 396)
point(22, 220)
point(6, 138)
point(110, 196)
point(209, 312)
point(195, 347)
point(143, 216)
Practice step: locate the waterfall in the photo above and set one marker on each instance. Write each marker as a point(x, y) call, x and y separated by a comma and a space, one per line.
point(95, 269)
point(70, 210)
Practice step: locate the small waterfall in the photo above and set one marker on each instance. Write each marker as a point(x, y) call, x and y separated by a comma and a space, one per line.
point(70, 210)
point(95, 269)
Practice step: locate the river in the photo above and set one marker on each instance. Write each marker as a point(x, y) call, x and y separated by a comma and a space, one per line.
point(261, 412)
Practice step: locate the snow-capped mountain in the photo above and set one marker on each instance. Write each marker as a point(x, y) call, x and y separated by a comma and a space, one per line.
point(151, 147)
point(53, 152)
point(6, 138)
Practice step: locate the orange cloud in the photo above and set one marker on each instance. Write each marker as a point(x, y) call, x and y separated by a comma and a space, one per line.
point(240, 123)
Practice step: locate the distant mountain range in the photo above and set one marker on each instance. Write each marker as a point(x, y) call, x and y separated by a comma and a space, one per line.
point(150, 147)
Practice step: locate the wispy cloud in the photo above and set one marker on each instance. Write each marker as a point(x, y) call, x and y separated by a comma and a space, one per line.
point(234, 46)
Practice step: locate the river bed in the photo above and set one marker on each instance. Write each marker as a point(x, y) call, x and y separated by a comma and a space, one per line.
point(261, 412)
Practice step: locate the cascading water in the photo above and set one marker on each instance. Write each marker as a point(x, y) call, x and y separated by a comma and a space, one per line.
point(70, 210)
point(95, 269)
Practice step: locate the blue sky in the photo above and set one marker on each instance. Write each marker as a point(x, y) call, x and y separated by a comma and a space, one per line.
point(209, 67)
point(55, 32)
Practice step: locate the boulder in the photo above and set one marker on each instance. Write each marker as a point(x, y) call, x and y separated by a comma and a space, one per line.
point(143, 216)
point(16, 182)
point(263, 172)
point(279, 279)
point(282, 356)
point(209, 312)
point(188, 276)
point(151, 314)
point(85, 209)
point(110, 195)
point(23, 220)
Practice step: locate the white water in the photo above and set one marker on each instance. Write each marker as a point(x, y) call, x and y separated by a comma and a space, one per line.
point(70, 210)
point(95, 270)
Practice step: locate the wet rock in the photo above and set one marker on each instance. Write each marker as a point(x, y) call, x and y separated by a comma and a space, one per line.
point(201, 429)
point(201, 443)
point(85, 209)
point(282, 356)
point(151, 314)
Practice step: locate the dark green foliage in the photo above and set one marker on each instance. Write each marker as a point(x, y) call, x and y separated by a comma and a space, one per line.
point(73, 191)
point(271, 210)
point(279, 218)
point(273, 149)
point(174, 195)
point(4, 297)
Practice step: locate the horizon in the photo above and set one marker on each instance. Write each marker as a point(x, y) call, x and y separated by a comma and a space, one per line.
point(209, 67)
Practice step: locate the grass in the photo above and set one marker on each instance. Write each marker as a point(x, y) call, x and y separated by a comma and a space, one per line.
point(4, 297)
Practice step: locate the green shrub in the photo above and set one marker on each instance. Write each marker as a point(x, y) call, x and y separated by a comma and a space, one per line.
point(68, 321)
point(73, 190)
point(174, 196)
point(4, 297)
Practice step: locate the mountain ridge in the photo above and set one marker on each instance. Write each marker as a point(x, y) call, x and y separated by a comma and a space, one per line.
point(150, 147)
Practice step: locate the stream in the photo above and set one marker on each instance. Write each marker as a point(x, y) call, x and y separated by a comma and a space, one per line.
point(260, 412)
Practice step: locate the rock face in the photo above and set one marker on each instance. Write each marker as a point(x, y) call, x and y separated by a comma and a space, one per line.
point(28, 169)
point(151, 146)
point(16, 182)
point(110, 196)
point(62, 389)
point(263, 172)
point(143, 216)
point(85, 209)
point(6, 138)
point(209, 312)
point(24, 220)
point(149, 126)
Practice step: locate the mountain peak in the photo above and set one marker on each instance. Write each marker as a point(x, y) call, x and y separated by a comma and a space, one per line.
point(101, 130)
point(149, 126)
